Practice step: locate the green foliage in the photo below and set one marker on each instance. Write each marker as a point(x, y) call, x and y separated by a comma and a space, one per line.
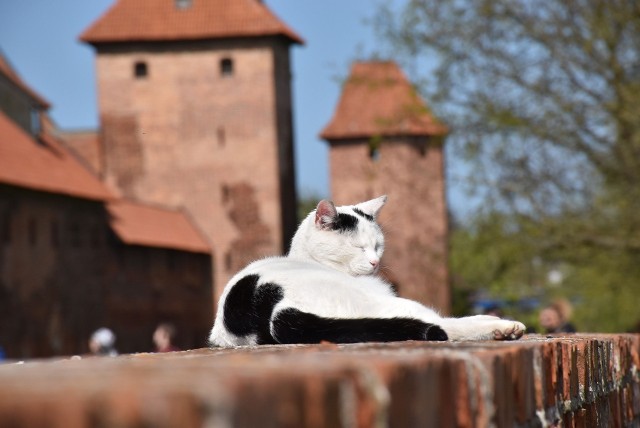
point(542, 98)
point(606, 290)
point(508, 262)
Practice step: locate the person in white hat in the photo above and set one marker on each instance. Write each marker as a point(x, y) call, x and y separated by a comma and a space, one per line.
point(103, 342)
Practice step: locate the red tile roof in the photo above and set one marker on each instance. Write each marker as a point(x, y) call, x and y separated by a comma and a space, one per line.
point(138, 224)
point(44, 165)
point(377, 99)
point(9, 72)
point(162, 20)
point(86, 145)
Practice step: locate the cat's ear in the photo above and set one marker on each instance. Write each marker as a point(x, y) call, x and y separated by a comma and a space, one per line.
point(326, 214)
point(373, 206)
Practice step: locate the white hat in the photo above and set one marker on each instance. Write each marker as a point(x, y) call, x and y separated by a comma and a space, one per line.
point(104, 337)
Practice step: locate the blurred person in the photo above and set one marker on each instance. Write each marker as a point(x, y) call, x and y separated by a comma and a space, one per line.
point(2, 356)
point(555, 318)
point(494, 310)
point(102, 343)
point(163, 338)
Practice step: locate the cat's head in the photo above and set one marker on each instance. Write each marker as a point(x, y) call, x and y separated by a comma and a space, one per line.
point(346, 238)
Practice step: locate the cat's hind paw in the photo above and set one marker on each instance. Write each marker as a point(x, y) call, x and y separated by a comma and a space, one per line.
point(512, 331)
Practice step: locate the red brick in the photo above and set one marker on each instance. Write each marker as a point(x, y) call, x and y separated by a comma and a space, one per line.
point(397, 384)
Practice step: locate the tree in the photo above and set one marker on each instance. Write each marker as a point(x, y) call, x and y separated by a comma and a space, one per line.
point(543, 101)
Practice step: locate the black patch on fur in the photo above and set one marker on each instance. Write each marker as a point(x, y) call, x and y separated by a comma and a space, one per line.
point(367, 216)
point(293, 326)
point(248, 308)
point(345, 223)
point(266, 298)
point(238, 306)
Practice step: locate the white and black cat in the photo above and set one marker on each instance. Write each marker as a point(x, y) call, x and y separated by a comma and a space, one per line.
point(327, 289)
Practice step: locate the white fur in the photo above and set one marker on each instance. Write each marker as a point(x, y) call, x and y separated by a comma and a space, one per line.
point(330, 274)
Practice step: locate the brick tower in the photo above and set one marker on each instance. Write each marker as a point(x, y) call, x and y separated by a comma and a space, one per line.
point(195, 111)
point(383, 140)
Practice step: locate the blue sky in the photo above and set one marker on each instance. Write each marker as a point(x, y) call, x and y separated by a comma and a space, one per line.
point(39, 37)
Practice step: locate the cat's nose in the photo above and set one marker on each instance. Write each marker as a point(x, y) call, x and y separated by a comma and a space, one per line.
point(374, 263)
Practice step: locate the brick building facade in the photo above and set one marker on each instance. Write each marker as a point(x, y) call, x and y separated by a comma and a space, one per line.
point(383, 140)
point(196, 112)
point(75, 257)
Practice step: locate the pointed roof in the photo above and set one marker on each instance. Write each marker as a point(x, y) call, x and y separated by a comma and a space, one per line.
point(44, 165)
point(170, 20)
point(140, 224)
point(7, 70)
point(378, 100)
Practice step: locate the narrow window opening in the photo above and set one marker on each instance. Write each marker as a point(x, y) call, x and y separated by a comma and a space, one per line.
point(121, 257)
point(95, 237)
point(374, 148)
point(6, 231)
point(140, 70)
point(32, 231)
point(55, 238)
point(74, 232)
point(374, 153)
point(226, 67)
point(171, 261)
point(144, 260)
point(422, 149)
point(225, 193)
point(222, 137)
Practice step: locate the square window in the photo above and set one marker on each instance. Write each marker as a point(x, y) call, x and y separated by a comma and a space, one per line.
point(226, 67)
point(140, 70)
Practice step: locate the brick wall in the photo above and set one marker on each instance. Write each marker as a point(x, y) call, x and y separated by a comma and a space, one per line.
point(188, 135)
point(571, 381)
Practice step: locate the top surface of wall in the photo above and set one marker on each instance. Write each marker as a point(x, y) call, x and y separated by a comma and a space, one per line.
point(576, 380)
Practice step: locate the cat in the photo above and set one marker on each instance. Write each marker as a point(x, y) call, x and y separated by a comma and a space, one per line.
point(327, 289)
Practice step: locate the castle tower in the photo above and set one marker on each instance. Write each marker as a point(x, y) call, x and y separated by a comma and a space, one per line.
point(196, 112)
point(383, 140)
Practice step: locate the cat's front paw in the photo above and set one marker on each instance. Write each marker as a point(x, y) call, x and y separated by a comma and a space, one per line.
point(509, 330)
